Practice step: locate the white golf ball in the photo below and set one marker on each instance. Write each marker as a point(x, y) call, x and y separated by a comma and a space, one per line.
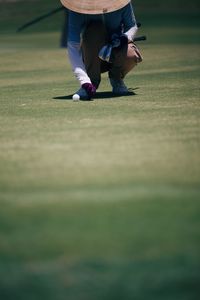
point(76, 97)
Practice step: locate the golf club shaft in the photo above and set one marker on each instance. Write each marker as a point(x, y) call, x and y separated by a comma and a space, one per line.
point(140, 38)
point(38, 19)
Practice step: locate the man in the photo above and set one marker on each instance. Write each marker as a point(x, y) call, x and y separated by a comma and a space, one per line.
point(92, 24)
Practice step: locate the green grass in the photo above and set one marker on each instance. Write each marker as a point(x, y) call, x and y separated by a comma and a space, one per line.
point(100, 200)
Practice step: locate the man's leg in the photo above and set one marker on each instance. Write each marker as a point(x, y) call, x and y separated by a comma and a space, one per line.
point(94, 38)
point(124, 60)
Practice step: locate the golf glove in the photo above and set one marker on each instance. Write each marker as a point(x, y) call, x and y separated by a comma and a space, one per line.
point(117, 41)
point(90, 89)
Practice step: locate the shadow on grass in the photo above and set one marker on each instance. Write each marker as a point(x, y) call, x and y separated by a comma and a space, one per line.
point(100, 95)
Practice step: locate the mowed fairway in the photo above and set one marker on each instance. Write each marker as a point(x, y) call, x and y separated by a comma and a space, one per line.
point(99, 200)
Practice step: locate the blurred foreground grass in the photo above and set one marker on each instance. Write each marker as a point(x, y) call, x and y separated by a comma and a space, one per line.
point(99, 200)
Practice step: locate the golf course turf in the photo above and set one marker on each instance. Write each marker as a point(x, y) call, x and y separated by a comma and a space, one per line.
point(99, 199)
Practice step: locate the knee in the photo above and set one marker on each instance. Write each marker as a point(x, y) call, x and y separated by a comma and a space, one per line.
point(133, 53)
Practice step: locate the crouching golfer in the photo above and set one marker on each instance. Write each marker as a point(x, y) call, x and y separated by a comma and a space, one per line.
point(100, 39)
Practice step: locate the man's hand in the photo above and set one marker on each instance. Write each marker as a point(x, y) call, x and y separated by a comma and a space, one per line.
point(90, 89)
point(119, 40)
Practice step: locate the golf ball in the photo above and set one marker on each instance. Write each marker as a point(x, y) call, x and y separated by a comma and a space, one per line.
point(76, 97)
